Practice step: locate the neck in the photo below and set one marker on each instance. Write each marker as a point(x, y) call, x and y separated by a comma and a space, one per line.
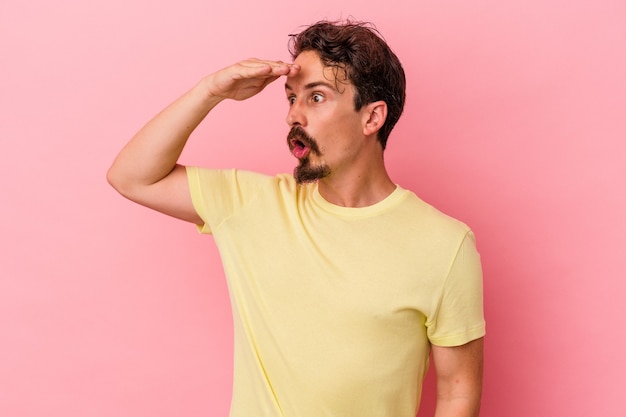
point(360, 188)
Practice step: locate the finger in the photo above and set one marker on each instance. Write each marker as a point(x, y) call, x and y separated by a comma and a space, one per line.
point(259, 67)
point(293, 70)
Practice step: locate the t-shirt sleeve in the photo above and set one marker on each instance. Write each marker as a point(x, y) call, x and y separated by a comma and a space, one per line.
point(217, 194)
point(459, 318)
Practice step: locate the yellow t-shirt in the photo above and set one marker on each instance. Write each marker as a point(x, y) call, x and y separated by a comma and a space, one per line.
point(335, 308)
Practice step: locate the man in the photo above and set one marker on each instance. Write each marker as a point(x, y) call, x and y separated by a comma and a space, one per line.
point(342, 283)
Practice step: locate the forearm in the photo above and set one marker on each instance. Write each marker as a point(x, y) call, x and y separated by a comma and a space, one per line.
point(154, 151)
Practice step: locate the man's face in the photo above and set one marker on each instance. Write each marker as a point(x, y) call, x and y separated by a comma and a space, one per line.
point(325, 127)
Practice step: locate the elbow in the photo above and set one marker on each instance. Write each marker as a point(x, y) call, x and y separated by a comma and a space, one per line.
point(112, 178)
point(117, 180)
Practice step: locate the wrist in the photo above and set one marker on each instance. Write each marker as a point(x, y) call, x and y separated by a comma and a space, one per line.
point(205, 89)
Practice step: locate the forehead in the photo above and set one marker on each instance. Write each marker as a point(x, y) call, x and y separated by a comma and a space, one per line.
point(313, 71)
point(309, 59)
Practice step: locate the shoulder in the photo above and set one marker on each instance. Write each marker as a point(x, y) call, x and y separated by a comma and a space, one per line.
point(236, 183)
point(418, 213)
point(236, 177)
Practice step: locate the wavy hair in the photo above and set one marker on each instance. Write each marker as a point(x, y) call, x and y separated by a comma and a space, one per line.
point(358, 50)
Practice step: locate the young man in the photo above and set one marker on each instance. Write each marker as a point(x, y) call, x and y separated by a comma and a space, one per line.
point(342, 283)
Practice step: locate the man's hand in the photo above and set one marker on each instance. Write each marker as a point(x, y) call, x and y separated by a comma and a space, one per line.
point(247, 78)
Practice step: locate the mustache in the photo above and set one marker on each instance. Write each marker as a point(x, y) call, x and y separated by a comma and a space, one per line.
point(298, 133)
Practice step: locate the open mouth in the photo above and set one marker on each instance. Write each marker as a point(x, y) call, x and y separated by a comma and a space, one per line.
point(301, 144)
point(299, 149)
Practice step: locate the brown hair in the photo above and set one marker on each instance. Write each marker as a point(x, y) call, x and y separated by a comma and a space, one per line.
point(359, 50)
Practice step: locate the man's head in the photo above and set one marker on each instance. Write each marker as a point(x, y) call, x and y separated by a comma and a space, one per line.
point(357, 51)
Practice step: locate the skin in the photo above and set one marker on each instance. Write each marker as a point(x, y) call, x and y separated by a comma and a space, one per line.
point(459, 372)
point(345, 137)
point(146, 170)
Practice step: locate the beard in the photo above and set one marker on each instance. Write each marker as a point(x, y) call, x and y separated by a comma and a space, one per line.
point(306, 172)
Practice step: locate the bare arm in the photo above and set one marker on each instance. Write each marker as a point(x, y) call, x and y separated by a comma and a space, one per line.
point(146, 170)
point(459, 371)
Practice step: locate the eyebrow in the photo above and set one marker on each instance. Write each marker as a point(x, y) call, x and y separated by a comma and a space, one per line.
point(312, 85)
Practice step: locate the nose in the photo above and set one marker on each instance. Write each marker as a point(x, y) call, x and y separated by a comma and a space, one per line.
point(295, 115)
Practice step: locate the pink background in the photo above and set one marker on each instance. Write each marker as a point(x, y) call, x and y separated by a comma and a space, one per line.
point(515, 123)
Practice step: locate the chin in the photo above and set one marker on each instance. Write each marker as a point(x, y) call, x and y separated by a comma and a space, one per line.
point(305, 173)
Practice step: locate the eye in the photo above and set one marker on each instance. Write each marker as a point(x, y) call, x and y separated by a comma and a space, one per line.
point(317, 98)
point(291, 99)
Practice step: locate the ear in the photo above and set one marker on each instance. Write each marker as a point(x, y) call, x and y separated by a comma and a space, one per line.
point(374, 117)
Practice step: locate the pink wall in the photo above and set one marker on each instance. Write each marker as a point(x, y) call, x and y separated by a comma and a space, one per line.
point(515, 123)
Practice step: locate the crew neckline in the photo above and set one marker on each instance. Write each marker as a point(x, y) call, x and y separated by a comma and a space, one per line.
point(396, 195)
